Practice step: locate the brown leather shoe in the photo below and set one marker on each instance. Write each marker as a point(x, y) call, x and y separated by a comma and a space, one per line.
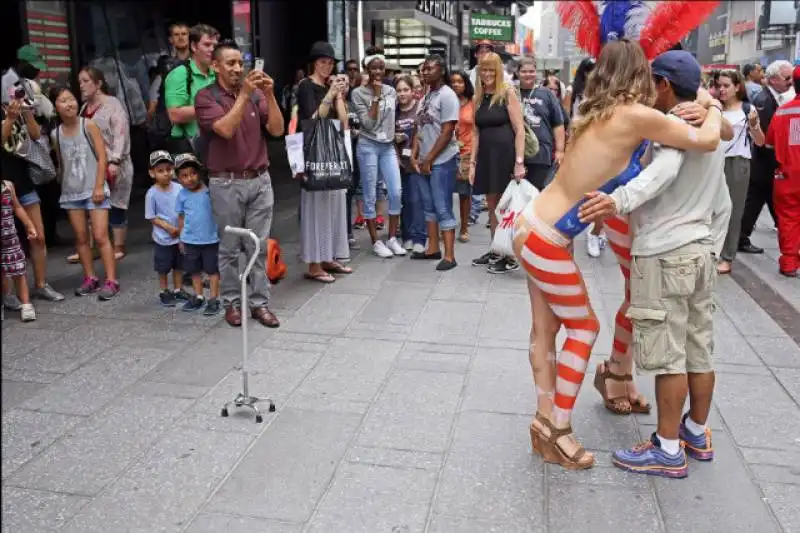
point(265, 317)
point(233, 316)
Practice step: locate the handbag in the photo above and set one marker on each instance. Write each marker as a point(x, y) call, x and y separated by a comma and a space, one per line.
point(41, 169)
point(327, 164)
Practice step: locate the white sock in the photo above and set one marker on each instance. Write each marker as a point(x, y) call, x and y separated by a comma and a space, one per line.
point(695, 428)
point(671, 446)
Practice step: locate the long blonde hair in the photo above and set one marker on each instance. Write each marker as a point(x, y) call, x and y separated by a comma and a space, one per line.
point(622, 76)
point(491, 60)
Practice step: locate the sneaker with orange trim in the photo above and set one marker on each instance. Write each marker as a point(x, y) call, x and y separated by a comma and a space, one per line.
point(649, 458)
point(697, 446)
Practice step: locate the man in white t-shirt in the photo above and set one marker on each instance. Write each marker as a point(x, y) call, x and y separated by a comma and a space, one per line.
point(483, 47)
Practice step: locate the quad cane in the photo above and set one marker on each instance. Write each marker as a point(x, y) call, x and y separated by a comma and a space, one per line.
point(243, 399)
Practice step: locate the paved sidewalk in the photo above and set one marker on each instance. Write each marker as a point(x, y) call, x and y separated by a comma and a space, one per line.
point(404, 397)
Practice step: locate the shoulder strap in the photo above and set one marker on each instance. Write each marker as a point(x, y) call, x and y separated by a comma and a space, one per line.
point(746, 107)
point(88, 138)
point(189, 77)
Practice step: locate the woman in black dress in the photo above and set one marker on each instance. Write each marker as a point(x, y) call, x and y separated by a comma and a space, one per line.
point(498, 146)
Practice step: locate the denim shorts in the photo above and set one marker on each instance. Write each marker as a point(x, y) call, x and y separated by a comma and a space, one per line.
point(87, 204)
point(118, 217)
point(31, 198)
point(201, 258)
point(166, 258)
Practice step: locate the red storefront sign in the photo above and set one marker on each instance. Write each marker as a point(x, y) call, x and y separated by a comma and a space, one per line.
point(49, 32)
point(743, 26)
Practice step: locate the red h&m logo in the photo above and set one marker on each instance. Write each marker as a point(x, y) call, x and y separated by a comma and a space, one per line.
point(508, 219)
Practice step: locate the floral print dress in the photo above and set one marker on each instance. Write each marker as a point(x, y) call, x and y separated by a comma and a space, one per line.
point(13, 258)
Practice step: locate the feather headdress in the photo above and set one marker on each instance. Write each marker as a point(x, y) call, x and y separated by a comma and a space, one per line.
point(657, 30)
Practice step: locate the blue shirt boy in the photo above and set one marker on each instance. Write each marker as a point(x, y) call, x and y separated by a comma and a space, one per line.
point(199, 226)
point(160, 203)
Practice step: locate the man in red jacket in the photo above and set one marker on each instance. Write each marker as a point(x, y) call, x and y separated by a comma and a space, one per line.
point(784, 135)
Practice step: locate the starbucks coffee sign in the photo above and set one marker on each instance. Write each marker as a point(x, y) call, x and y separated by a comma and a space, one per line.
point(492, 27)
point(444, 10)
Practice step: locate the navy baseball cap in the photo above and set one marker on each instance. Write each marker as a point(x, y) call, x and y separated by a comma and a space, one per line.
point(678, 67)
point(160, 156)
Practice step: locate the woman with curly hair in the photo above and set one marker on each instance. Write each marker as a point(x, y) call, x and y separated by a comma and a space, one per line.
point(604, 151)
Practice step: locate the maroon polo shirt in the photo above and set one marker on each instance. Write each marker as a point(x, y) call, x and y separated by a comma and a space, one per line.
point(247, 149)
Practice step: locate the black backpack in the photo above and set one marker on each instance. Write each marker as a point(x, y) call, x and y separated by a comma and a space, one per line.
point(160, 127)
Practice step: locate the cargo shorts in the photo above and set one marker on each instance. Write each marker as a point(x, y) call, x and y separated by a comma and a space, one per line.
point(672, 306)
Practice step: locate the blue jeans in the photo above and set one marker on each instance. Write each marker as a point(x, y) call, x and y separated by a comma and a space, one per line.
point(412, 217)
point(374, 157)
point(475, 208)
point(436, 192)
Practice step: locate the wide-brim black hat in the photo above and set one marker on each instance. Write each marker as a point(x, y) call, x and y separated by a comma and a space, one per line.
point(322, 49)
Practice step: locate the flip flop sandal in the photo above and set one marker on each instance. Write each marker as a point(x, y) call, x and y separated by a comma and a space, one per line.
point(336, 268)
point(322, 277)
point(723, 271)
point(640, 405)
point(119, 256)
point(464, 237)
point(619, 405)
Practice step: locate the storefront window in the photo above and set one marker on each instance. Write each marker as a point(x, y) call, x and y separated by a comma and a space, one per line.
point(243, 30)
point(48, 30)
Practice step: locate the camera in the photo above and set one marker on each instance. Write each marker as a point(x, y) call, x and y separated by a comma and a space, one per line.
point(19, 93)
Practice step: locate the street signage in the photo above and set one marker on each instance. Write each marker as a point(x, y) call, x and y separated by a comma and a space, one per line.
point(492, 27)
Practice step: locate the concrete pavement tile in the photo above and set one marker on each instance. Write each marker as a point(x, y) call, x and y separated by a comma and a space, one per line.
point(490, 343)
point(48, 321)
point(216, 523)
point(425, 392)
point(419, 272)
point(349, 375)
point(580, 507)
point(448, 322)
point(163, 490)
point(776, 351)
point(789, 475)
point(93, 454)
point(167, 331)
point(74, 349)
point(36, 511)
point(463, 285)
point(449, 524)
point(289, 467)
point(480, 434)
point(407, 429)
point(721, 484)
point(292, 294)
point(280, 335)
point(744, 312)
point(506, 487)
point(367, 278)
point(434, 362)
point(496, 370)
point(88, 389)
point(365, 499)
point(16, 392)
point(748, 370)
point(597, 428)
point(31, 376)
point(762, 456)
point(730, 346)
point(170, 390)
point(506, 316)
point(602, 473)
point(18, 341)
point(513, 283)
point(374, 331)
point(753, 422)
point(395, 304)
point(28, 433)
point(330, 313)
point(779, 498)
point(790, 379)
point(396, 458)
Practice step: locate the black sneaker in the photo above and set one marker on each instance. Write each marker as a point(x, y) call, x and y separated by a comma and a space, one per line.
point(486, 259)
point(194, 303)
point(212, 308)
point(445, 265)
point(503, 266)
point(181, 295)
point(167, 298)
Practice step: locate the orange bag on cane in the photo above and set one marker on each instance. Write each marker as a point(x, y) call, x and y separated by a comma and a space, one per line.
point(276, 268)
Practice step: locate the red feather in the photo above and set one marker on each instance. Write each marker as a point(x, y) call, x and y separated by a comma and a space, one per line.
point(581, 18)
point(669, 22)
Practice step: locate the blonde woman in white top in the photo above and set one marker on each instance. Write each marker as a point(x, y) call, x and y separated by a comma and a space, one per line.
point(746, 131)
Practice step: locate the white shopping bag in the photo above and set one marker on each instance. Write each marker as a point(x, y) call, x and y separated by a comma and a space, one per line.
point(514, 199)
point(294, 152)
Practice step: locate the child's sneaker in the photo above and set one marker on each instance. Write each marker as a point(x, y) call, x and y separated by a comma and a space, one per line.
point(28, 313)
point(380, 223)
point(697, 446)
point(194, 303)
point(359, 223)
point(167, 298)
point(182, 295)
point(109, 290)
point(88, 286)
point(212, 308)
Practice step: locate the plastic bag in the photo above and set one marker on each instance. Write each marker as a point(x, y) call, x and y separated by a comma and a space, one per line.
point(514, 199)
point(327, 164)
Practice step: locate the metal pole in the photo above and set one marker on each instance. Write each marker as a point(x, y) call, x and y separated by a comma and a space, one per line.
point(360, 28)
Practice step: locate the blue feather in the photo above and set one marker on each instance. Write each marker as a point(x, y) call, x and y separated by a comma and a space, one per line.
point(612, 21)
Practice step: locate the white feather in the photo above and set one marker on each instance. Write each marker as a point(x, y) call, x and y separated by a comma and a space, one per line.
point(636, 19)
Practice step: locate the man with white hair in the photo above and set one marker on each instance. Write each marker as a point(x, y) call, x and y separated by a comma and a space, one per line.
point(763, 165)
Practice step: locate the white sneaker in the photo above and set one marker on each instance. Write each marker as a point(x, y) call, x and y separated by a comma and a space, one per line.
point(395, 247)
point(408, 245)
point(381, 250)
point(418, 249)
point(28, 313)
point(593, 244)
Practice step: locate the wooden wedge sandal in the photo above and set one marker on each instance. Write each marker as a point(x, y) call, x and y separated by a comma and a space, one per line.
point(553, 453)
point(620, 405)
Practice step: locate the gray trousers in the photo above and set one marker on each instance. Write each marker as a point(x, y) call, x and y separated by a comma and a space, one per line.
point(242, 203)
point(737, 176)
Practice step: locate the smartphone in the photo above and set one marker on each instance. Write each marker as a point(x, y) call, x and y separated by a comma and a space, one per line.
point(259, 64)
